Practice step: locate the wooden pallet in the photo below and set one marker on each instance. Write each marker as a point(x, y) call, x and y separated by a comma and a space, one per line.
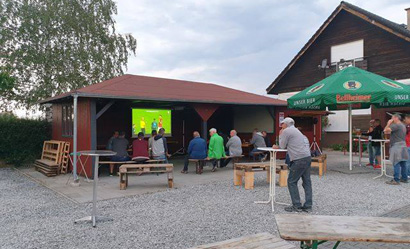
point(54, 159)
point(47, 167)
point(65, 158)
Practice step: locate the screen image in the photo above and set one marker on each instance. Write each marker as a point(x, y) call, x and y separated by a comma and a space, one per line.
point(146, 120)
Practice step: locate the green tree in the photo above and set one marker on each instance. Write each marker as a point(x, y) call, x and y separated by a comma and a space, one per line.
point(50, 47)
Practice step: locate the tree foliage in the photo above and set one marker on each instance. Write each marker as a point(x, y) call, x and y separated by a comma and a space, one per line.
point(50, 47)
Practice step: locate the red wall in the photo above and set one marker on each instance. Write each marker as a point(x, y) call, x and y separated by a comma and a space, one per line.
point(83, 129)
point(306, 123)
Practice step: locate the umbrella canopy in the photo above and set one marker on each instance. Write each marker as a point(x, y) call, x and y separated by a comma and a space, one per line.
point(352, 87)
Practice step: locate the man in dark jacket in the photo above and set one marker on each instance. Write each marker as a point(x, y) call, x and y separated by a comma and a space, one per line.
point(196, 150)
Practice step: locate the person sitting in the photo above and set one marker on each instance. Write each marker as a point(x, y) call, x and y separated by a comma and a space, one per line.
point(257, 141)
point(140, 147)
point(119, 145)
point(159, 146)
point(266, 138)
point(109, 144)
point(234, 146)
point(196, 150)
point(150, 140)
point(216, 148)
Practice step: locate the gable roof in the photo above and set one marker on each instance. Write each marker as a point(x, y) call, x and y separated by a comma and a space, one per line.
point(387, 25)
point(134, 87)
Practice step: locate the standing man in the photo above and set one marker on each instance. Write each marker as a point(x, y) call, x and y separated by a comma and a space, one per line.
point(142, 125)
point(154, 125)
point(159, 146)
point(151, 140)
point(407, 121)
point(216, 147)
point(369, 144)
point(398, 150)
point(294, 141)
point(196, 150)
point(234, 146)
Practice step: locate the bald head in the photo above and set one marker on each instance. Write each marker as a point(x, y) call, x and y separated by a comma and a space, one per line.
point(196, 134)
point(233, 133)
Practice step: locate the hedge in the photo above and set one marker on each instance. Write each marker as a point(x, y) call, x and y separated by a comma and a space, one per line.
point(21, 140)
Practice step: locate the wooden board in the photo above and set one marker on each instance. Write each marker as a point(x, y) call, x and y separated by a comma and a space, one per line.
point(343, 228)
point(260, 241)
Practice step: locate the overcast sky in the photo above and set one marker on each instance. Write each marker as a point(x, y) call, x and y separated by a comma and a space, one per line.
point(239, 44)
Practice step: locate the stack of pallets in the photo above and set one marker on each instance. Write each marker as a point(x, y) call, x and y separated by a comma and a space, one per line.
point(54, 159)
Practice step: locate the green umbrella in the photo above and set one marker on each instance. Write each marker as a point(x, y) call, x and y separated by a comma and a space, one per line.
point(352, 88)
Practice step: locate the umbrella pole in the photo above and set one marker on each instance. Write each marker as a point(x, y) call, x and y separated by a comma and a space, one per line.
point(350, 138)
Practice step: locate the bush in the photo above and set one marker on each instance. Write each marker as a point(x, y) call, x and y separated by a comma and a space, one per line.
point(338, 147)
point(21, 140)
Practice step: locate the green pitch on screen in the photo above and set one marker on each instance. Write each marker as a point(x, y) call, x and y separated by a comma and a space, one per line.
point(146, 120)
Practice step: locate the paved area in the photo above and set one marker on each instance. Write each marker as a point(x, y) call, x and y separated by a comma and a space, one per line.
point(202, 209)
point(109, 186)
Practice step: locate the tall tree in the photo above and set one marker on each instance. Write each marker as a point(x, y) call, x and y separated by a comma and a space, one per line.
point(50, 47)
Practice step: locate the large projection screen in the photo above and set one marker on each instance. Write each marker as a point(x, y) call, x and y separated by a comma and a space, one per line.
point(146, 120)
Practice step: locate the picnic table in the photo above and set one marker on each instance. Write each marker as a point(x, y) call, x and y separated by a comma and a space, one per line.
point(272, 176)
point(260, 240)
point(314, 230)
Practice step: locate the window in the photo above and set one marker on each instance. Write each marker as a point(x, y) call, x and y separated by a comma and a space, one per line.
point(67, 120)
point(347, 51)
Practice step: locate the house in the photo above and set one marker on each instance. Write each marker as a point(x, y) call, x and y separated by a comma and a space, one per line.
point(349, 36)
point(108, 106)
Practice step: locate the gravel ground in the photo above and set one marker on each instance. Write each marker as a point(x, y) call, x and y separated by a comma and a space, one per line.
point(36, 217)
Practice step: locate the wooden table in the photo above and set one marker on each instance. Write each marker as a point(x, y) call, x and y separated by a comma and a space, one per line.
point(260, 240)
point(272, 176)
point(247, 171)
point(313, 230)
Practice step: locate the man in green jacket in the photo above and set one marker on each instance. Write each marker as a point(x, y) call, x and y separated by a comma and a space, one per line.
point(216, 148)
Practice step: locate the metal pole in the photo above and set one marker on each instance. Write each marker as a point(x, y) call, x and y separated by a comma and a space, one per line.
point(350, 138)
point(75, 96)
point(94, 212)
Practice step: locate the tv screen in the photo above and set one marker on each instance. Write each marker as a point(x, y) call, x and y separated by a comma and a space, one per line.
point(146, 120)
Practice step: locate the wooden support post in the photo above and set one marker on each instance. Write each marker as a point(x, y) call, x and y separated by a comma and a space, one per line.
point(237, 177)
point(249, 179)
point(283, 178)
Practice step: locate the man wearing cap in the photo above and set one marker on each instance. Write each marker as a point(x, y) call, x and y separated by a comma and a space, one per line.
point(398, 150)
point(294, 141)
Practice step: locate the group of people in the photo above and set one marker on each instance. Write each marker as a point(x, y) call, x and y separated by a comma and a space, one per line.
point(221, 146)
point(399, 145)
point(155, 148)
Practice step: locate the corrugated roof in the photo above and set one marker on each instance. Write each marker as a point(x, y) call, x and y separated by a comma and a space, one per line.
point(389, 26)
point(160, 89)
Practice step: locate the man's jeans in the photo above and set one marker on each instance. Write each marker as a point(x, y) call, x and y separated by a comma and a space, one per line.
point(161, 157)
point(376, 152)
point(408, 163)
point(371, 153)
point(300, 169)
point(400, 167)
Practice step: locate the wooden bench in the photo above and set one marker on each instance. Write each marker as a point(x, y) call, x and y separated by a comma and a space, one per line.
point(140, 169)
point(247, 171)
point(200, 163)
point(320, 162)
point(260, 240)
point(113, 163)
point(314, 230)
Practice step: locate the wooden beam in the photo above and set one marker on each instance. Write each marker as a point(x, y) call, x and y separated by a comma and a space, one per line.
point(104, 109)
